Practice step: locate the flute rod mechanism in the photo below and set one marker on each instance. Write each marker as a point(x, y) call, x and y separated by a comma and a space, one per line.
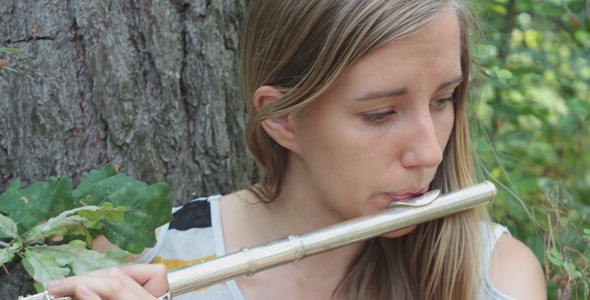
point(293, 248)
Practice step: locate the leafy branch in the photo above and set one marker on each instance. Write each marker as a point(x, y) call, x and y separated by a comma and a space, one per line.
point(126, 211)
point(567, 258)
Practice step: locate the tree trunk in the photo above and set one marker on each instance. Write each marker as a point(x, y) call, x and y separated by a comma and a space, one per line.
point(150, 85)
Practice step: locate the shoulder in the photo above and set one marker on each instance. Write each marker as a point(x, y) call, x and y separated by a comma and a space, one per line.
point(516, 271)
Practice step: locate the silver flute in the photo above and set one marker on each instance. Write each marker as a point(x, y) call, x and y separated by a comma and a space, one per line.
point(293, 248)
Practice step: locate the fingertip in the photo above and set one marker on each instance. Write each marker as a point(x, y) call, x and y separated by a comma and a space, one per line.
point(53, 284)
point(53, 287)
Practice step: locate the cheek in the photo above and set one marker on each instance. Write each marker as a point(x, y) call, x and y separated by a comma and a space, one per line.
point(329, 139)
point(445, 126)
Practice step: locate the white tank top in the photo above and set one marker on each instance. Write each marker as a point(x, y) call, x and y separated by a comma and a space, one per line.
point(196, 234)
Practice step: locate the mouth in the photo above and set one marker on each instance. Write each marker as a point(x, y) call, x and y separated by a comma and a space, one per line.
point(407, 194)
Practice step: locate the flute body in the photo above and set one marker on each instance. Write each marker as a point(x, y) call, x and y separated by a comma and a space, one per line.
point(293, 248)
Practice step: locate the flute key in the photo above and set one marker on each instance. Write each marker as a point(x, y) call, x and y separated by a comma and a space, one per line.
point(43, 296)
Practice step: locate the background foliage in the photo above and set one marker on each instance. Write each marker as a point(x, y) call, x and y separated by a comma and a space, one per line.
point(534, 133)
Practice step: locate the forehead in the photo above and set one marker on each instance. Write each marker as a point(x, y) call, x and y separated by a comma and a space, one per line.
point(435, 49)
point(442, 32)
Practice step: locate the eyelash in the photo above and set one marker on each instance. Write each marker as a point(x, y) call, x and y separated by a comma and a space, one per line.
point(439, 103)
point(380, 117)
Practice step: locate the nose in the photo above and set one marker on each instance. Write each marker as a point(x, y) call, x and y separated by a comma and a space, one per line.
point(424, 147)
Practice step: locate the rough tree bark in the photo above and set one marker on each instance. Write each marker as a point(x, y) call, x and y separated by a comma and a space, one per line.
point(150, 85)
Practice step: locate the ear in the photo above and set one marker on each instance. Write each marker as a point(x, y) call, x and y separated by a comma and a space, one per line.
point(279, 128)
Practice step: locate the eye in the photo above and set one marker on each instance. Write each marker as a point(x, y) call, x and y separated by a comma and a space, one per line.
point(378, 117)
point(440, 103)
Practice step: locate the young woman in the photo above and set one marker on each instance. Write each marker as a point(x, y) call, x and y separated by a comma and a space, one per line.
point(354, 105)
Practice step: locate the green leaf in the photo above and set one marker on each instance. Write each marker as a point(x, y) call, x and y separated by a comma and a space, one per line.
point(497, 8)
point(583, 37)
point(147, 209)
point(75, 221)
point(36, 203)
point(579, 106)
point(556, 258)
point(576, 6)
point(503, 75)
point(8, 253)
point(19, 72)
point(8, 195)
point(12, 50)
point(7, 227)
point(47, 263)
point(485, 52)
point(569, 124)
point(548, 9)
point(93, 177)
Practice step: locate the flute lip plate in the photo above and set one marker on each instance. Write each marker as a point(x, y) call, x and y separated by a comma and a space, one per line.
point(419, 201)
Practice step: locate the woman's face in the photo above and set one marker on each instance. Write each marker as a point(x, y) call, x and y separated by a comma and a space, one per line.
point(377, 135)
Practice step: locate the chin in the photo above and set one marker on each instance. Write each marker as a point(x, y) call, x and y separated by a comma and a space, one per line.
point(400, 232)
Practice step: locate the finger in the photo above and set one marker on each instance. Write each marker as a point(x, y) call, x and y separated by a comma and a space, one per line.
point(84, 293)
point(152, 277)
point(110, 283)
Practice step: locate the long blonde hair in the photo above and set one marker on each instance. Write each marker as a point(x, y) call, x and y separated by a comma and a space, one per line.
point(301, 47)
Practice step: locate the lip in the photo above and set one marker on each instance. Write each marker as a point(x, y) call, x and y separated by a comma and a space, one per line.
point(405, 194)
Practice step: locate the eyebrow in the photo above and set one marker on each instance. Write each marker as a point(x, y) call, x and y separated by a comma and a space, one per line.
point(447, 83)
point(382, 94)
point(403, 91)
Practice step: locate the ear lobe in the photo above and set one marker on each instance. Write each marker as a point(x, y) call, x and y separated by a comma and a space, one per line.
point(278, 128)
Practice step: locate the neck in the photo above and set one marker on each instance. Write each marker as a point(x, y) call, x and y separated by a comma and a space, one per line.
point(247, 224)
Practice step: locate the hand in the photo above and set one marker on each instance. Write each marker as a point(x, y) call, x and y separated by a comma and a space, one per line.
point(141, 281)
